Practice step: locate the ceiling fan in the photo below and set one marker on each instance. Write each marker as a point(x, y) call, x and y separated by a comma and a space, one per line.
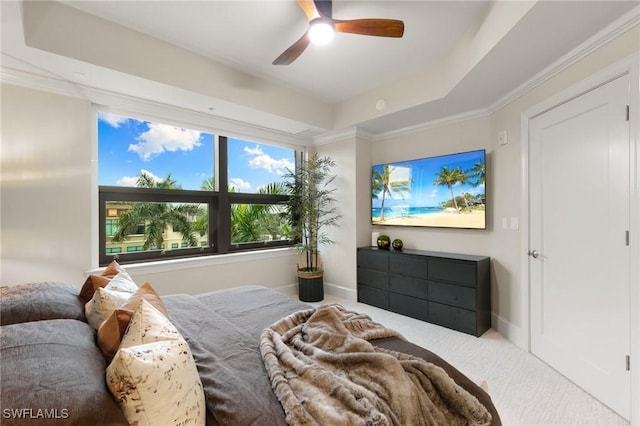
point(322, 25)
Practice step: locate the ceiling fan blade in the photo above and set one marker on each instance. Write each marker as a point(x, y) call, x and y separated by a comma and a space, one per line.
point(371, 27)
point(324, 7)
point(295, 50)
point(309, 9)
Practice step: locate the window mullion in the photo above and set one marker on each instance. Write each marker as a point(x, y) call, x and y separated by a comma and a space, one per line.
point(223, 215)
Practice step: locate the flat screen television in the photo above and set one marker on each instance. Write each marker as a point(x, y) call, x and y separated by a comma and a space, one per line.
point(447, 191)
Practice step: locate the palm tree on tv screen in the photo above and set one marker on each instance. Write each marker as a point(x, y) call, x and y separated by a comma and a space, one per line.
point(463, 178)
point(477, 173)
point(382, 182)
point(448, 177)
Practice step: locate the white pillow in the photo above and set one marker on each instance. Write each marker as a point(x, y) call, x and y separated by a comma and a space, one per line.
point(148, 325)
point(153, 375)
point(122, 282)
point(103, 303)
point(157, 384)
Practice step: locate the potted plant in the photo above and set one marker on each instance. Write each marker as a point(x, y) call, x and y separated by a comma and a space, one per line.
point(311, 208)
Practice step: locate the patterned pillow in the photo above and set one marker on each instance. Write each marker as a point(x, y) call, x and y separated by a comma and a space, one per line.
point(157, 384)
point(122, 281)
point(153, 375)
point(103, 303)
point(93, 282)
point(112, 330)
point(148, 325)
point(148, 293)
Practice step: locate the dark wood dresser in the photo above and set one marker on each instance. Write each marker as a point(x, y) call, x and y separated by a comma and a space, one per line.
point(448, 289)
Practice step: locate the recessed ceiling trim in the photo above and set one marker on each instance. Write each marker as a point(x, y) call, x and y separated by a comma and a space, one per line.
point(350, 133)
point(615, 29)
point(452, 119)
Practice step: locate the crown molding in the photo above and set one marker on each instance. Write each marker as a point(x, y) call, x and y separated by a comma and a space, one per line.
point(452, 119)
point(350, 133)
point(615, 29)
point(604, 36)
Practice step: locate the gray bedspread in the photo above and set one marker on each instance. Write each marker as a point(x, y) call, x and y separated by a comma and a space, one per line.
point(223, 329)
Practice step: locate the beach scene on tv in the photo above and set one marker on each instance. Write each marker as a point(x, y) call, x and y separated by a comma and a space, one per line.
point(446, 191)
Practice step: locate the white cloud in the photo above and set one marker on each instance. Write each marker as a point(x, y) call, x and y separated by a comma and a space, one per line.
point(133, 180)
point(253, 151)
point(261, 160)
point(239, 184)
point(161, 138)
point(127, 181)
point(113, 120)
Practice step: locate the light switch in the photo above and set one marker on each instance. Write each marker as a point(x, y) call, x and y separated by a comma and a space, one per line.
point(503, 138)
point(514, 223)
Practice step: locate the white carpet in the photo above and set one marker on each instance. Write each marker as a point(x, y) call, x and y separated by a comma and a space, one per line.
point(524, 389)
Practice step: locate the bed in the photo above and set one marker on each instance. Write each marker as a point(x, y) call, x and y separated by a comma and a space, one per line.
point(53, 372)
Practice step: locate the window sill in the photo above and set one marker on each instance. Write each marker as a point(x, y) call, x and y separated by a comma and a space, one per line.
point(200, 262)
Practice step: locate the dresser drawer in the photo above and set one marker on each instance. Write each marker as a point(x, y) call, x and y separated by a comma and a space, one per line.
point(409, 286)
point(376, 260)
point(454, 318)
point(373, 296)
point(410, 306)
point(415, 266)
point(455, 295)
point(459, 272)
point(372, 278)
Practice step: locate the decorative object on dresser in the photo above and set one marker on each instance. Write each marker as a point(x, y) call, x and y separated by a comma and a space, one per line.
point(397, 244)
point(383, 242)
point(448, 289)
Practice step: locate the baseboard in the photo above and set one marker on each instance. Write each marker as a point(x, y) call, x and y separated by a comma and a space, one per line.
point(514, 333)
point(290, 290)
point(349, 294)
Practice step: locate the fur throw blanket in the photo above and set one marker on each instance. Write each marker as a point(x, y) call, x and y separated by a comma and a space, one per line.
point(325, 372)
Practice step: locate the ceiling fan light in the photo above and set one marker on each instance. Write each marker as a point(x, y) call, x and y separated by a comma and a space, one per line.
point(321, 32)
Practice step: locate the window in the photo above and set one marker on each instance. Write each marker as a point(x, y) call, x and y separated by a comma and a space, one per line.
point(160, 195)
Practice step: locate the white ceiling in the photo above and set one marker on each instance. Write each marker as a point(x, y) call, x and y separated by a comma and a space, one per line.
point(504, 48)
point(249, 35)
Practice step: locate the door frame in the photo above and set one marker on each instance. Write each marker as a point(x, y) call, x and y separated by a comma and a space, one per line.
point(628, 66)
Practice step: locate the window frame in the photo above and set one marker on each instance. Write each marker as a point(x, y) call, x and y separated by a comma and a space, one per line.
point(219, 209)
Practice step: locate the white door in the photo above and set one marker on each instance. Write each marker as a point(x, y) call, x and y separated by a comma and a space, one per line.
point(579, 192)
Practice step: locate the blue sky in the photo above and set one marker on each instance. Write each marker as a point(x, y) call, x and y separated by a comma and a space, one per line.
point(128, 146)
point(423, 172)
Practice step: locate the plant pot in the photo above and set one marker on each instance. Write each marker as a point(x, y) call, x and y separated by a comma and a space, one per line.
point(310, 286)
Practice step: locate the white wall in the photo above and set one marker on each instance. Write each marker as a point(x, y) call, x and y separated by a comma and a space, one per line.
point(274, 269)
point(45, 187)
point(338, 259)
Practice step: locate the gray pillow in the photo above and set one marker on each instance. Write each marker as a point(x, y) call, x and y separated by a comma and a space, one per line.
point(40, 301)
point(53, 374)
